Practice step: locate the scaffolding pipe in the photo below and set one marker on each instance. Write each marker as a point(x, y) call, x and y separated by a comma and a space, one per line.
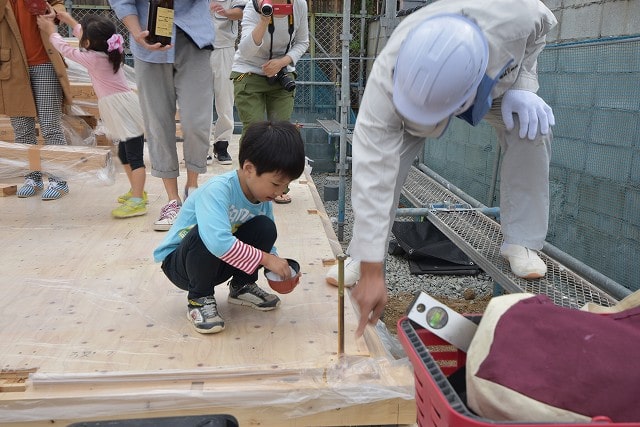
point(345, 104)
point(608, 285)
point(603, 282)
point(362, 53)
point(312, 49)
point(494, 176)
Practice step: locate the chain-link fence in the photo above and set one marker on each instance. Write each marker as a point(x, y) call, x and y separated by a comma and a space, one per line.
point(79, 11)
point(319, 72)
point(317, 95)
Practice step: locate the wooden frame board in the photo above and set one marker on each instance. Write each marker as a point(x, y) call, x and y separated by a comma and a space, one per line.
point(93, 330)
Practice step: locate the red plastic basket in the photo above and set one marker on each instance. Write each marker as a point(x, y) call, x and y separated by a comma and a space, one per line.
point(438, 402)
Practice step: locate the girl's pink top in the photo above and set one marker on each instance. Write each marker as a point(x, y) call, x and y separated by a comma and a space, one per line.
point(104, 80)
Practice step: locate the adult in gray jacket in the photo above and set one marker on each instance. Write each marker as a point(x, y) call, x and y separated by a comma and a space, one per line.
point(474, 60)
point(165, 75)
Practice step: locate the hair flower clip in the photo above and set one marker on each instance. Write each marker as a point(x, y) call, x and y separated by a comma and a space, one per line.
point(115, 42)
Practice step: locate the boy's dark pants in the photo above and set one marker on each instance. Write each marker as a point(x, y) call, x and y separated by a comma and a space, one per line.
point(193, 268)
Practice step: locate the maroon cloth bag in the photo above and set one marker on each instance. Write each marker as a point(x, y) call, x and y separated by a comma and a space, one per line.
point(543, 356)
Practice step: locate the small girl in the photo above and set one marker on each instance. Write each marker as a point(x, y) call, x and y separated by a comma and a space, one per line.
point(101, 52)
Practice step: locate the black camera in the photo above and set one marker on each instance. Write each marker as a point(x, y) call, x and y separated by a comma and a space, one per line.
point(284, 79)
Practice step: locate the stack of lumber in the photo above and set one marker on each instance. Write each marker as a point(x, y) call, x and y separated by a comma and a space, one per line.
point(88, 155)
point(63, 161)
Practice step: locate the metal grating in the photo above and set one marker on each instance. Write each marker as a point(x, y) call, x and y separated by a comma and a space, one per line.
point(480, 238)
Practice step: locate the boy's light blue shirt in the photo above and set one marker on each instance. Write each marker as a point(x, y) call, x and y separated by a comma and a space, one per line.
point(219, 207)
point(192, 16)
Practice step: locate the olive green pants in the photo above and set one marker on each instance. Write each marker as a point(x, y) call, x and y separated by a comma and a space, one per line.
point(258, 100)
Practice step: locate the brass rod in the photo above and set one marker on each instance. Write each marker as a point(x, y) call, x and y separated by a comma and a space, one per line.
point(341, 258)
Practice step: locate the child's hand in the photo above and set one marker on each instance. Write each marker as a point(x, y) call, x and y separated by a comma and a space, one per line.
point(278, 265)
point(65, 18)
point(50, 13)
point(45, 23)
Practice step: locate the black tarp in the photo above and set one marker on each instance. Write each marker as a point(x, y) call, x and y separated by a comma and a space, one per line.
point(428, 250)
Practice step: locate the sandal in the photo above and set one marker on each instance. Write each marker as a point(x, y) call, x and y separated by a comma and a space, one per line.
point(282, 199)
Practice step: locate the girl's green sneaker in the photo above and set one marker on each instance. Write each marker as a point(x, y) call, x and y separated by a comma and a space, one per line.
point(126, 196)
point(130, 208)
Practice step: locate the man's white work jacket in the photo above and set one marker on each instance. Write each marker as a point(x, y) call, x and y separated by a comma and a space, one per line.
point(384, 146)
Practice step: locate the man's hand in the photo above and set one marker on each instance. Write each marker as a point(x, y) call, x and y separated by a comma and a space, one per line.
point(140, 38)
point(139, 35)
point(531, 111)
point(370, 293)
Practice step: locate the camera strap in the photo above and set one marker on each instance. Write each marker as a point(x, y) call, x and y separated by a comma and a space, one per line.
point(271, 28)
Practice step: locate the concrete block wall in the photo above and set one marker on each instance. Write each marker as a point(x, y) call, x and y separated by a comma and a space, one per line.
point(593, 90)
point(593, 19)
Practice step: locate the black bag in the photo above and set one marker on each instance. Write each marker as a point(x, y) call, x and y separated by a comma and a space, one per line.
point(428, 250)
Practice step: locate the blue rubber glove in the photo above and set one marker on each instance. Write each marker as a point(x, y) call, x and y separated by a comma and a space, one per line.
point(531, 110)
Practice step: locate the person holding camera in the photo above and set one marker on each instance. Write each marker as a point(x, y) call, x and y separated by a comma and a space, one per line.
point(274, 37)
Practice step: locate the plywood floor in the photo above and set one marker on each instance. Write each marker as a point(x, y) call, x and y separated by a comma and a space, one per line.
point(84, 308)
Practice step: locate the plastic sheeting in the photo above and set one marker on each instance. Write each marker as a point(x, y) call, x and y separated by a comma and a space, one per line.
point(82, 159)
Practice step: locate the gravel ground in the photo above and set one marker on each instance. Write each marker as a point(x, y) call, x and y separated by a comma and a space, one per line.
point(399, 280)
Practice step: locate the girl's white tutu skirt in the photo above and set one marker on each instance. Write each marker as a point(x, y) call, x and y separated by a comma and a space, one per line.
point(121, 115)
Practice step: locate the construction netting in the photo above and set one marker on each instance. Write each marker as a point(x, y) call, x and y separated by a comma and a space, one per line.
point(594, 90)
point(317, 94)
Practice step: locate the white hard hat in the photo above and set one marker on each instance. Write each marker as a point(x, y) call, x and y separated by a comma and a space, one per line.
point(439, 67)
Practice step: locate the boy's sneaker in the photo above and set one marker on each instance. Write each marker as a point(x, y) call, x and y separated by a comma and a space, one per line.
point(168, 214)
point(203, 313)
point(126, 196)
point(30, 187)
point(130, 208)
point(252, 296)
point(220, 152)
point(55, 190)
